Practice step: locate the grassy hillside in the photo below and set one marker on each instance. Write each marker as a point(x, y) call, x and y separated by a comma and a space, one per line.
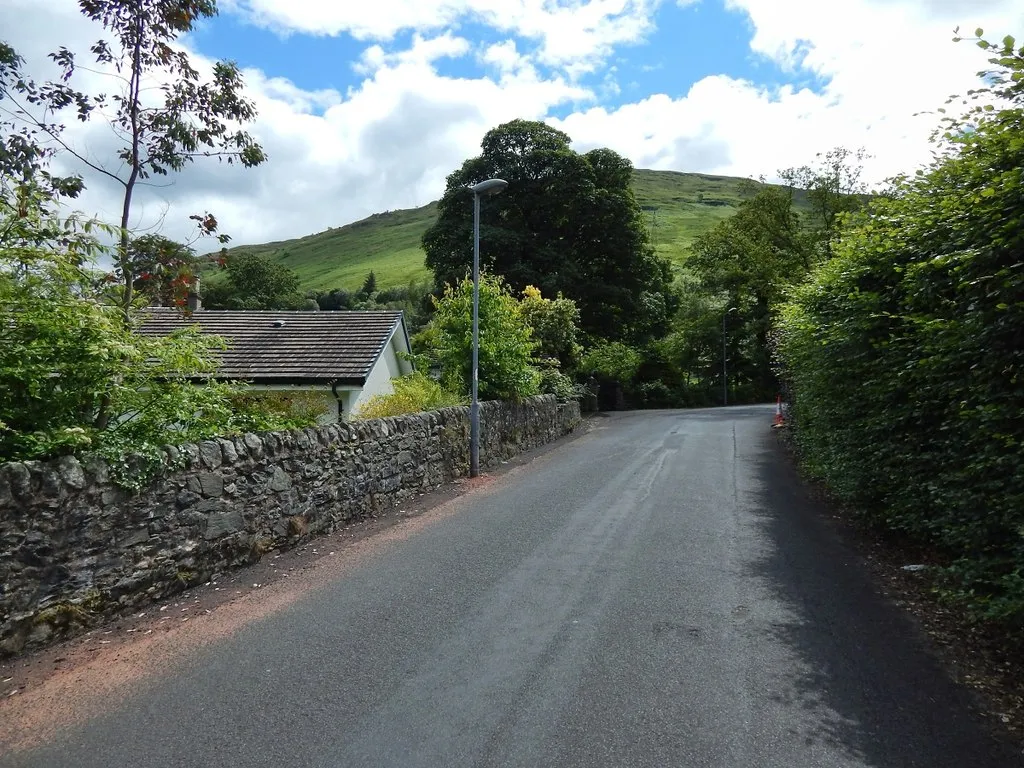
point(678, 207)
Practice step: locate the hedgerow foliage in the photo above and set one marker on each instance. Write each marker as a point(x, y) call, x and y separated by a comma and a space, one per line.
point(77, 377)
point(905, 353)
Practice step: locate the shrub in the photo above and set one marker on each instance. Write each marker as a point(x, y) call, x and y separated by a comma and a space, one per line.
point(506, 341)
point(904, 357)
point(413, 393)
point(555, 327)
point(561, 385)
point(276, 409)
point(75, 375)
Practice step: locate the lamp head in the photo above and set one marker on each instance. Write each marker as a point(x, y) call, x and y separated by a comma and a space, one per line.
point(489, 187)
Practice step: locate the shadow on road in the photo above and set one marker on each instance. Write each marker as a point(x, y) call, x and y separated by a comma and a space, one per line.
point(868, 676)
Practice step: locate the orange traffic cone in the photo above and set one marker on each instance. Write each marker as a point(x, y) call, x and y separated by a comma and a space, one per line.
point(778, 413)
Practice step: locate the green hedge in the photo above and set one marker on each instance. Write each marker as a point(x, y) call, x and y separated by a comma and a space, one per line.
point(905, 357)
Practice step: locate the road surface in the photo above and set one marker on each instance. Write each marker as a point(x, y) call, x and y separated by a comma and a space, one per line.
point(658, 592)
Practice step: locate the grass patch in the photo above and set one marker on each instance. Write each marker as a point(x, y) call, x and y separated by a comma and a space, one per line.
point(687, 204)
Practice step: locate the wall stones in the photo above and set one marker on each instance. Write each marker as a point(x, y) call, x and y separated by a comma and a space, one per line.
point(75, 548)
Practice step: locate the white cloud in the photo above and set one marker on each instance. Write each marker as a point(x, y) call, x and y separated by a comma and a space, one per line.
point(884, 61)
point(504, 56)
point(389, 140)
point(573, 34)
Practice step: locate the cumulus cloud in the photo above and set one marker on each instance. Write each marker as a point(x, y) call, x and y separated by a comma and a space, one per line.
point(570, 33)
point(887, 65)
point(389, 140)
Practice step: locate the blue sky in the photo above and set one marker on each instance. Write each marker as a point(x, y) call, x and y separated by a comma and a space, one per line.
point(686, 44)
point(365, 107)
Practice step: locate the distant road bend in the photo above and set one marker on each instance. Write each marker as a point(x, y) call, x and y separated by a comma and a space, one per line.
point(658, 592)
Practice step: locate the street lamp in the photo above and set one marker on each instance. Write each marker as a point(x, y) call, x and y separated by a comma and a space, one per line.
point(484, 188)
point(725, 378)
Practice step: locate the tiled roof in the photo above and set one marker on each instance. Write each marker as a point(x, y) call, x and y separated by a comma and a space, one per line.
point(287, 347)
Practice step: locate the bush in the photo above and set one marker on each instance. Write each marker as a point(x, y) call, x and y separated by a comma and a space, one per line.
point(904, 358)
point(77, 378)
point(506, 341)
point(555, 327)
point(266, 410)
point(562, 386)
point(414, 393)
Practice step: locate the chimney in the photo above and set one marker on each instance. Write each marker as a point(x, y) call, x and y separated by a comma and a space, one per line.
point(194, 300)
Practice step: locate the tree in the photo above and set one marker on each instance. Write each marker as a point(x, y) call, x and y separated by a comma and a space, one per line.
point(255, 282)
point(24, 158)
point(747, 262)
point(164, 270)
point(833, 187)
point(76, 378)
point(369, 286)
point(614, 363)
point(567, 223)
point(693, 348)
point(506, 341)
point(160, 135)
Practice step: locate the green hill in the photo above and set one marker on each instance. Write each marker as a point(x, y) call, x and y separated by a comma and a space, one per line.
point(677, 207)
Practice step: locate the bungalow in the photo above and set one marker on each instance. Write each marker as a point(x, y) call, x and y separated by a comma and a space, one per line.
point(343, 357)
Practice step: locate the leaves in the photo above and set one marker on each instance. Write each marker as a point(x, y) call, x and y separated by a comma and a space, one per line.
point(413, 393)
point(506, 342)
point(193, 117)
point(903, 356)
point(76, 377)
point(567, 223)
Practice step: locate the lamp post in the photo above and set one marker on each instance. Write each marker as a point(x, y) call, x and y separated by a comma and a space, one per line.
point(484, 188)
point(725, 378)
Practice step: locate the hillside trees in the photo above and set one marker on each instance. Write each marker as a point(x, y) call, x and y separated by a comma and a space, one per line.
point(904, 352)
point(833, 187)
point(746, 262)
point(567, 223)
point(740, 271)
point(252, 281)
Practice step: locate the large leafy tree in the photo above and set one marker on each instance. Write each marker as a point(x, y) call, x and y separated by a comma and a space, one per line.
point(748, 261)
point(163, 111)
point(567, 223)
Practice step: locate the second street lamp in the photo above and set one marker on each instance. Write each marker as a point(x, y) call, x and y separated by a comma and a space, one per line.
point(725, 376)
point(484, 188)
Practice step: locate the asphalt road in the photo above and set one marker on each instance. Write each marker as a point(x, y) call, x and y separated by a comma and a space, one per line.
point(659, 592)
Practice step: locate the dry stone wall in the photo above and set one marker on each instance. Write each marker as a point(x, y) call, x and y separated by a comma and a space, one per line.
point(75, 548)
